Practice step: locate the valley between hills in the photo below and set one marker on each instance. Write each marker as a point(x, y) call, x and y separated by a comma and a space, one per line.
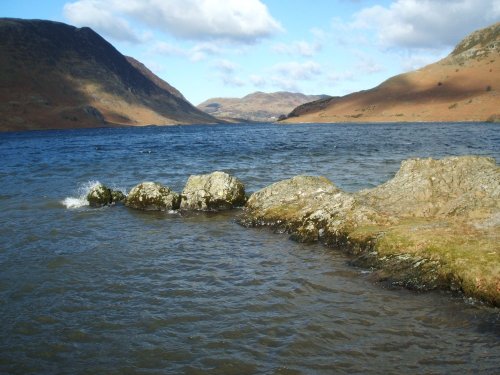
point(56, 76)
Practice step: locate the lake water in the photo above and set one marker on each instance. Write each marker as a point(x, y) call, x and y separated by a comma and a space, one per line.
point(119, 291)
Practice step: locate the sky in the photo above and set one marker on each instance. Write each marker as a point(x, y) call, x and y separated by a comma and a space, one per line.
point(231, 48)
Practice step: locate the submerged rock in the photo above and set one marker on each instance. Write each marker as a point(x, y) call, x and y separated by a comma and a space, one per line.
point(99, 196)
point(434, 225)
point(152, 196)
point(214, 191)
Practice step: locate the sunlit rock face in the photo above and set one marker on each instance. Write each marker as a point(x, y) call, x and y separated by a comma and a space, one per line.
point(152, 196)
point(214, 191)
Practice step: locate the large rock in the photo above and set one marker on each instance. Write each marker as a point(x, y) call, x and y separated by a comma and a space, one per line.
point(99, 195)
point(454, 186)
point(308, 207)
point(152, 196)
point(214, 191)
point(436, 224)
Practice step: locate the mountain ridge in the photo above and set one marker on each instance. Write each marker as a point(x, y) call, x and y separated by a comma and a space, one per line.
point(461, 87)
point(54, 75)
point(256, 106)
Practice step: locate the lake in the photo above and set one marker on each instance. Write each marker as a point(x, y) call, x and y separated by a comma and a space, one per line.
point(119, 291)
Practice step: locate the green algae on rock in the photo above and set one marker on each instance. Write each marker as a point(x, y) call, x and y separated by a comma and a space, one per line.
point(214, 191)
point(436, 224)
point(99, 196)
point(152, 196)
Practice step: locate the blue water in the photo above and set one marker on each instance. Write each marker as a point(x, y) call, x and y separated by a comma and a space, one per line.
point(119, 291)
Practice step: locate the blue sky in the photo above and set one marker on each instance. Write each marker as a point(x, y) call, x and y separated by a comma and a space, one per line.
point(230, 48)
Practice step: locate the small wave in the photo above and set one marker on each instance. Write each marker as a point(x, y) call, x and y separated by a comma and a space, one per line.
point(81, 199)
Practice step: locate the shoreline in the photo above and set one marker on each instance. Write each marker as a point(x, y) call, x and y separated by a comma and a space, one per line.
point(414, 231)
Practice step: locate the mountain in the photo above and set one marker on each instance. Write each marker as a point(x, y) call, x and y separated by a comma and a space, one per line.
point(258, 106)
point(53, 75)
point(464, 86)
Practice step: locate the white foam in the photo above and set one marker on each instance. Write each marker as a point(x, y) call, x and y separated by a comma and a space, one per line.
point(81, 199)
point(71, 202)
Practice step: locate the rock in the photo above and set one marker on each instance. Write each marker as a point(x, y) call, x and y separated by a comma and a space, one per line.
point(308, 207)
point(434, 225)
point(454, 186)
point(152, 196)
point(214, 191)
point(118, 196)
point(99, 196)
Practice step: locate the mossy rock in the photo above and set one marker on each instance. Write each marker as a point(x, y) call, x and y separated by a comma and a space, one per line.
point(99, 196)
point(436, 224)
point(152, 196)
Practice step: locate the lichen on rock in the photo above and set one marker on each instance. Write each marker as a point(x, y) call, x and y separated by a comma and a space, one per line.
point(152, 196)
point(434, 225)
point(99, 196)
point(214, 191)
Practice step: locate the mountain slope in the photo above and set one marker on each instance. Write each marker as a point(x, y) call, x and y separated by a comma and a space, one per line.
point(53, 75)
point(465, 86)
point(258, 106)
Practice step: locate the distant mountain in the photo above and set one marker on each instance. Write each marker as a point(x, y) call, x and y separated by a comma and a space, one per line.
point(53, 75)
point(258, 106)
point(465, 86)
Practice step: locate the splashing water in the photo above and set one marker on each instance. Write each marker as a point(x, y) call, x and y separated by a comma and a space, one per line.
point(81, 199)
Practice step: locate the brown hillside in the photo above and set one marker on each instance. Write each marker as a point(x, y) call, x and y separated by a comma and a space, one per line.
point(464, 86)
point(258, 106)
point(53, 75)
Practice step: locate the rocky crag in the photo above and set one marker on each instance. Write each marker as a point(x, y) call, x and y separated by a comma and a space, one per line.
point(257, 107)
point(53, 75)
point(436, 224)
point(461, 87)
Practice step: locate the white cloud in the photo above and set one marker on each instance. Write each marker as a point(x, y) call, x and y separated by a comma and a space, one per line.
point(235, 20)
point(301, 48)
point(201, 51)
point(226, 72)
point(225, 66)
point(93, 14)
point(426, 23)
point(336, 77)
point(288, 75)
point(416, 61)
point(229, 80)
point(167, 49)
point(365, 64)
point(258, 80)
point(298, 71)
point(198, 52)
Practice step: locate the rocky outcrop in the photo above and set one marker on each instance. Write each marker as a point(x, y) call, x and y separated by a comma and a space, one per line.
point(436, 224)
point(214, 191)
point(467, 187)
point(100, 195)
point(152, 196)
